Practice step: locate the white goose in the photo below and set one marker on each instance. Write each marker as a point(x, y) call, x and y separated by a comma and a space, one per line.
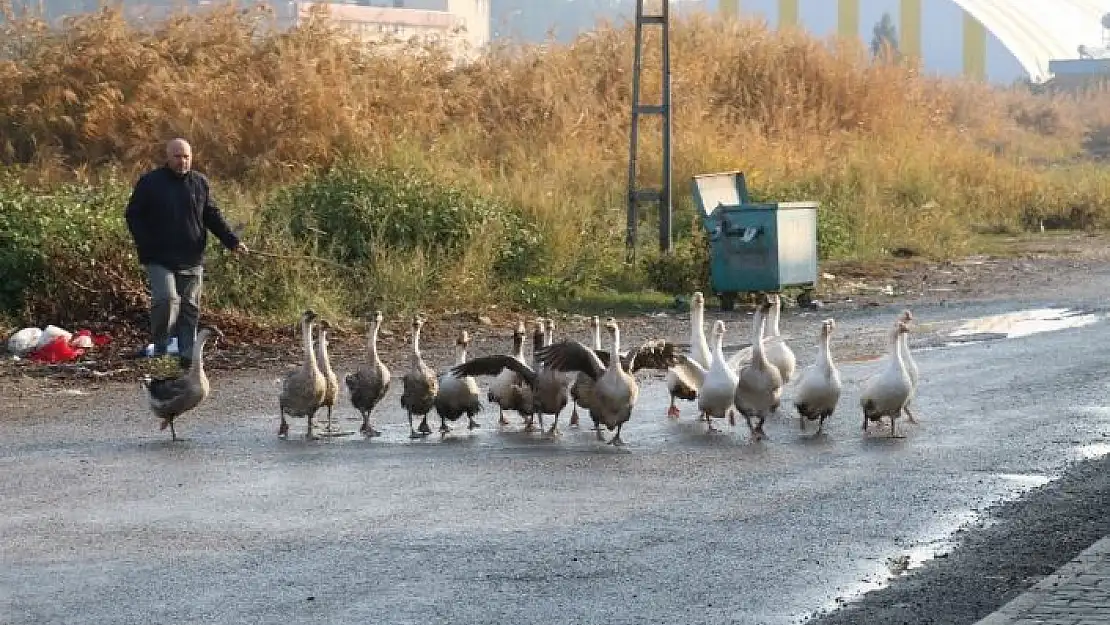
point(778, 352)
point(818, 389)
point(911, 366)
point(716, 386)
point(759, 388)
point(885, 394)
point(699, 350)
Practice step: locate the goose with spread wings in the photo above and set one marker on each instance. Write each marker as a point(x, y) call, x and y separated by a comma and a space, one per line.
point(615, 389)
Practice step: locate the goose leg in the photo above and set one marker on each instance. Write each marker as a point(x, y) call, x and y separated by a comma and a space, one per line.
point(283, 429)
point(909, 414)
point(821, 423)
point(443, 429)
point(616, 440)
point(673, 411)
point(424, 428)
point(367, 429)
point(597, 428)
point(412, 431)
point(574, 414)
point(472, 424)
point(732, 417)
point(308, 433)
point(329, 425)
point(502, 420)
point(554, 431)
point(530, 423)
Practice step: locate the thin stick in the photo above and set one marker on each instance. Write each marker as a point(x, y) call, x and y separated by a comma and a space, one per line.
point(315, 259)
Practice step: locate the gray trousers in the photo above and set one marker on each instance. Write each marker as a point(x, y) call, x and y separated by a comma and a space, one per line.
point(174, 306)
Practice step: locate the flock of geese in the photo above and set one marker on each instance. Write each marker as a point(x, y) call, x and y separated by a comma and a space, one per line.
point(598, 381)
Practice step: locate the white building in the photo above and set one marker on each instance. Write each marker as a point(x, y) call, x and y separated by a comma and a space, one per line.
point(464, 24)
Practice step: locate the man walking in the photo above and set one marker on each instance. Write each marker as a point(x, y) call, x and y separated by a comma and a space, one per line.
point(169, 215)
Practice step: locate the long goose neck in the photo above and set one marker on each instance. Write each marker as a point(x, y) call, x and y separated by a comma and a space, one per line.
point(697, 319)
point(372, 341)
point(416, 359)
point(615, 357)
point(460, 353)
point(896, 349)
point(518, 347)
point(597, 337)
point(309, 351)
point(537, 345)
point(719, 346)
point(196, 367)
point(758, 355)
point(322, 351)
point(776, 310)
point(824, 356)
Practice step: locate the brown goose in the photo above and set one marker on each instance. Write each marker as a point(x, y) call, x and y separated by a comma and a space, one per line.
point(419, 385)
point(369, 383)
point(303, 389)
point(171, 397)
point(458, 395)
point(615, 389)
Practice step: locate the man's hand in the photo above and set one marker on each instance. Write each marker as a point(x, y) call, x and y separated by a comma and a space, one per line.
point(242, 249)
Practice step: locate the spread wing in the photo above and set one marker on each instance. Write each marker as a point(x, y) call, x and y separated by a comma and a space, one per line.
point(689, 372)
point(492, 365)
point(568, 355)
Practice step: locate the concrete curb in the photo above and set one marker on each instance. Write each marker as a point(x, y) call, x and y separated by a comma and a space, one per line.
point(1076, 594)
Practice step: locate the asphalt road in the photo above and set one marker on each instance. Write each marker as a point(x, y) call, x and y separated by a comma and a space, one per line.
point(106, 520)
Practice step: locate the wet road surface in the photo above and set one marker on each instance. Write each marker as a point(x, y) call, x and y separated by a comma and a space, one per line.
point(106, 520)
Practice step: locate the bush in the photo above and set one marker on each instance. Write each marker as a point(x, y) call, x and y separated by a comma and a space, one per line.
point(64, 250)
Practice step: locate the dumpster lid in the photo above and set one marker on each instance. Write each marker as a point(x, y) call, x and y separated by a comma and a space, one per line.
point(728, 188)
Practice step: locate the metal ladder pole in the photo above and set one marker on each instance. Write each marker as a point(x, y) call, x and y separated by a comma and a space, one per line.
point(661, 195)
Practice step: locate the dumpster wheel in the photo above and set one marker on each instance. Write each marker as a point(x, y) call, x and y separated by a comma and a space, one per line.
point(806, 298)
point(728, 301)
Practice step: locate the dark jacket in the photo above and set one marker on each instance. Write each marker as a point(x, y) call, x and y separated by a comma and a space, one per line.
point(169, 216)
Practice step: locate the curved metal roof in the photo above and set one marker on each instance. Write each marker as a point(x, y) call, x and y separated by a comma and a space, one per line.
point(1036, 32)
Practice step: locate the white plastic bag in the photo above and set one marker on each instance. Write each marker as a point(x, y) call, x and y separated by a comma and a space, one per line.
point(52, 332)
point(24, 341)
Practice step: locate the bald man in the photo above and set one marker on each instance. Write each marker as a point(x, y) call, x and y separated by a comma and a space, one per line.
point(169, 215)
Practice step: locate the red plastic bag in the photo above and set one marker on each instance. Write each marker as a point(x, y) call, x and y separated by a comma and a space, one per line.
point(58, 350)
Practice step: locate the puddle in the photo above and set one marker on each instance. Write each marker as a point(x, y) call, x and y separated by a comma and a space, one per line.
point(1092, 451)
point(1026, 322)
point(1025, 481)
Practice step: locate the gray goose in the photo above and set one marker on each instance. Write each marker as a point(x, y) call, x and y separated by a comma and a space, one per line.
point(419, 385)
point(581, 390)
point(368, 384)
point(303, 388)
point(458, 395)
point(507, 390)
point(170, 398)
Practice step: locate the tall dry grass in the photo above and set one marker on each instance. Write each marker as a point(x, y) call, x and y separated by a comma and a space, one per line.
point(896, 158)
